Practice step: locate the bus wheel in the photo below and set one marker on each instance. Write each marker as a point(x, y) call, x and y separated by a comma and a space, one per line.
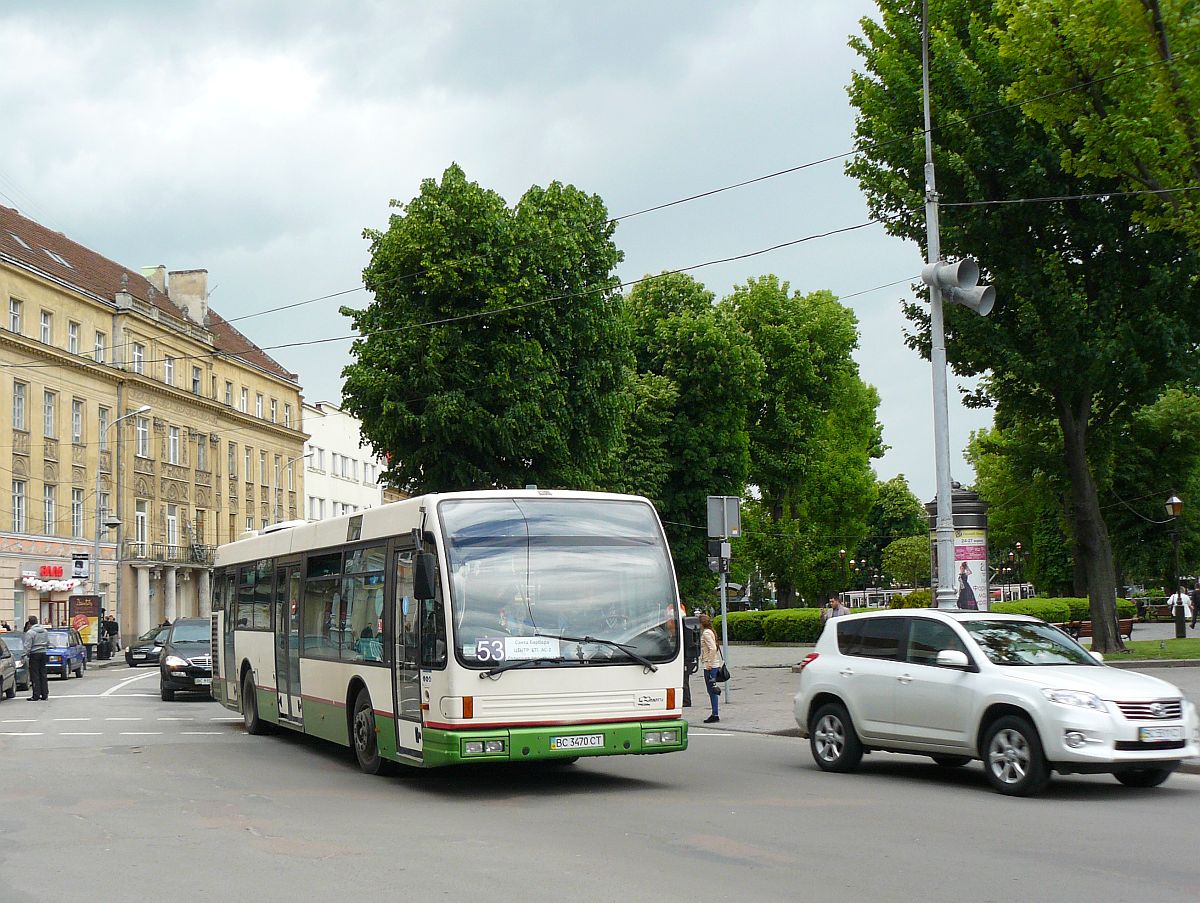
point(364, 737)
point(254, 724)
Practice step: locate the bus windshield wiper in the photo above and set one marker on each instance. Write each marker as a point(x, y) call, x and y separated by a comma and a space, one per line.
point(628, 650)
point(521, 663)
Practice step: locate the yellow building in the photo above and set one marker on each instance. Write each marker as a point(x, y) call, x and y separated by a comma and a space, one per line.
point(137, 412)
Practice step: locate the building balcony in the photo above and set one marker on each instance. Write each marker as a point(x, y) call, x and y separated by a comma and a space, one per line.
point(165, 553)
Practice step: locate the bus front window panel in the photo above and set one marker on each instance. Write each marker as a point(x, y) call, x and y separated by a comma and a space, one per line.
point(321, 601)
point(244, 612)
point(261, 615)
point(585, 568)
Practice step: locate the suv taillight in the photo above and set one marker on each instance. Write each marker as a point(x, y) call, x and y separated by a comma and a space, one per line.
point(808, 660)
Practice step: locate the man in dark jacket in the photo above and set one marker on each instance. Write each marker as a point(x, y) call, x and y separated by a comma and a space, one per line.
point(37, 643)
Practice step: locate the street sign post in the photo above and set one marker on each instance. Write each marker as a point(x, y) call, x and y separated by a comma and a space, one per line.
point(724, 521)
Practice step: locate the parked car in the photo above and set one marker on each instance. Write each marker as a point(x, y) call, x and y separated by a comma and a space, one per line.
point(8, 673)
point(1010, 690)
point(186, 659)
point(67, 655)
point(15, 643)
point(146, 649)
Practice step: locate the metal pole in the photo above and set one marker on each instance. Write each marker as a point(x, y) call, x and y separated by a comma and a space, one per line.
point(947, 593)
point(724, 631)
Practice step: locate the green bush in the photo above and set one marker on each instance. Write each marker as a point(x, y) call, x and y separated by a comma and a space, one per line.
point(918, 598)
point(792, 626)
point(744, 626)
point(1056, 611)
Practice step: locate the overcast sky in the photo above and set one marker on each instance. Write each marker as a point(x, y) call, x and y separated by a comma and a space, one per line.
point(257, 140)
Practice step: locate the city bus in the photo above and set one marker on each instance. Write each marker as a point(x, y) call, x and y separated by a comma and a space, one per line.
point(490, 626)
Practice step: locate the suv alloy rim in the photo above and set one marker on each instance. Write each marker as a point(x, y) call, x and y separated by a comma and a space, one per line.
point(831, 738)
point(1008, 756)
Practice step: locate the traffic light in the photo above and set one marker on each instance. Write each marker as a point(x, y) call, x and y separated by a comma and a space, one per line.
point(959, 283)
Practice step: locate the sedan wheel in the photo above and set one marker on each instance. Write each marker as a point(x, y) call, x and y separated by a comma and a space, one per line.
point(835, 745)
point(1014, 761)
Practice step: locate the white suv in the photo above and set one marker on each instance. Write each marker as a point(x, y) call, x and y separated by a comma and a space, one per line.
point(1013, 691)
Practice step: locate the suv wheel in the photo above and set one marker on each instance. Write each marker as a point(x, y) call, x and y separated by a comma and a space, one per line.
point(1013, 759)
point(1143, 777)
point(835, 745)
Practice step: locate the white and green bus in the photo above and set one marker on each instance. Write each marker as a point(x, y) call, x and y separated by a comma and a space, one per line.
point(460, 627)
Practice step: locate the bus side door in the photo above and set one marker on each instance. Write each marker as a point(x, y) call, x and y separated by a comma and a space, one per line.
point(406, 660)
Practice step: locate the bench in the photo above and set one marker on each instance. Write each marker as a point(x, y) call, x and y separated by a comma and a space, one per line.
point(1079, 629)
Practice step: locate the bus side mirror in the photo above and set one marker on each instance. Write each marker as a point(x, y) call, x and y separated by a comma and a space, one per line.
point(691, 640)
point(425, 575)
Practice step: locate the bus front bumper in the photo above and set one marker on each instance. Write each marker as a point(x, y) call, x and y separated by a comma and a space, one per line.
point(527, 744)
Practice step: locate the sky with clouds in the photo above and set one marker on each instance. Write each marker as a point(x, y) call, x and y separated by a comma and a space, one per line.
point(258, 138)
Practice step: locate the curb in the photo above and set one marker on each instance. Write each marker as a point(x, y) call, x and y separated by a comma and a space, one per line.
point(1155, 663)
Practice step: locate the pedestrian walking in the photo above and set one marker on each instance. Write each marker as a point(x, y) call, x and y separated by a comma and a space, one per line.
point(711, 662)
point(835, 609)
point(112, 632)
point(1180, 600)
point(1195, 604)
point(37, 642)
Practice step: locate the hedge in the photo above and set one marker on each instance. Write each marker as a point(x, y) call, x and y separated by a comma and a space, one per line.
point(918, 598)
point(793, 626)
point(744, 626)
point(1056, 611)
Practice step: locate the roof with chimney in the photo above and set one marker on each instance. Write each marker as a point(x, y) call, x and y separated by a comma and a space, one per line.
point(54, 255)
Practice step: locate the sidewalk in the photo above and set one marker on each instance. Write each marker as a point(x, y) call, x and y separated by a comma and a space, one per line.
point(762, 685)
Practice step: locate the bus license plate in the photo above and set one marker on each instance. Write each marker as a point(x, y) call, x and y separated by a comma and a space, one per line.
point(1160, 734)
point(578, 741)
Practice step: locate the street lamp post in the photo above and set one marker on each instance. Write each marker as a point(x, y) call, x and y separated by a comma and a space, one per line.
point(842, 553)
point(279, 489)
point(1174, 506)
point(111, 520)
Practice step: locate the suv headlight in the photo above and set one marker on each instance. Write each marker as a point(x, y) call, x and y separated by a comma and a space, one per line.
point(1076, 697)
point(174, 661)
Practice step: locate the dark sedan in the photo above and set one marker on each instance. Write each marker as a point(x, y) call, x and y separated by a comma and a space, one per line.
point(186, 661)
point(16, 645)
point(145, 649)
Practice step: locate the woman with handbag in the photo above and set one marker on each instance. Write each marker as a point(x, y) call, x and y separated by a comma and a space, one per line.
point(711, 662)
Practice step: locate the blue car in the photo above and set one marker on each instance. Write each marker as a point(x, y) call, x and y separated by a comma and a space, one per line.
point(66, 654)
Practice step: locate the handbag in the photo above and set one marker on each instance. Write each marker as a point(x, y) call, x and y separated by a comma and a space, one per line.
point(722, 674)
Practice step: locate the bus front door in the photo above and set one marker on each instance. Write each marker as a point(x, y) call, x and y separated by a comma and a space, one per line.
point(287, 641)
point(406, 621)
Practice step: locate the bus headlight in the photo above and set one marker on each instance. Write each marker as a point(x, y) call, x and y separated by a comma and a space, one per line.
point(660, 738)
point(493, 746)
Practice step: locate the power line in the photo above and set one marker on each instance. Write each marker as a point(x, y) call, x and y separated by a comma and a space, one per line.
point(1099, 195)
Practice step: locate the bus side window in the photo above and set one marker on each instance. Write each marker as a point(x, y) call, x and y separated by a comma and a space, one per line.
point(433, 634)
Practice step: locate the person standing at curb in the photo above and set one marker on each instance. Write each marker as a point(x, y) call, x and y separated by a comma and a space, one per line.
point(37, 642)
point(710, 662)
point(835, 610)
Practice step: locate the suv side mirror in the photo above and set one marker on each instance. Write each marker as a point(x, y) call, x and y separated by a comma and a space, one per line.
point(1098, 656)
point(425, 575)
point(952, 658)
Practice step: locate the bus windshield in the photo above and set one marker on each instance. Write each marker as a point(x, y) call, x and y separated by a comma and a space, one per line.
point(540, 578)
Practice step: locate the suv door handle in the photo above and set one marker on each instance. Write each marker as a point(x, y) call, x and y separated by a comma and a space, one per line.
point(846, 672)
point(905, 678)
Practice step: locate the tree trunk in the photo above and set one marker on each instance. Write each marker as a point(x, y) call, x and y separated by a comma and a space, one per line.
point(785, 588)
point(1092, 547)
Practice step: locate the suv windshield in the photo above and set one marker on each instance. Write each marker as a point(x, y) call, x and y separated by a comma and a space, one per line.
point(1026, 643)
point(191, 632)
point(524, 572)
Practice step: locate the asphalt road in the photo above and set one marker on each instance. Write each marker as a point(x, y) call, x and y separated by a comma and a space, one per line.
point(110, 794)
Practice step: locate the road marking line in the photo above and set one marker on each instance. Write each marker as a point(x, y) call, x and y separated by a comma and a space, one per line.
point(204, 733)
point(111, 690)
point(140, 733)
point(224, 719)
point(176, 719)
point(81, 733)
point(72, 719)
point(21, 733)
point(18, 721)
point(122, 719)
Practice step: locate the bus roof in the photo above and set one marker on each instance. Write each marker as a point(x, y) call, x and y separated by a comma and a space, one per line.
point(392, 519)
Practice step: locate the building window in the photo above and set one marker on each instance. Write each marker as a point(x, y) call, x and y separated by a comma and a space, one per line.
point(143, 437)
point(172, 525)
point(139, 357)
point(76, 421)
point(168, 370)
point(196, 375)
point(258, 408)
point(18, 506)
point(49, 404)
point(274, 410)
point(141, 523)
point(98, 348)
point(20, 391)
point(334, 458)
point(77, 513)
point(15, 315)
point(245, 400)
point(202, 453)
point(246, 464)
point(105, 506)
point(262, 468)
point(173, 445)
point(103, 423)
point(231, 461)
point(287, 415)
point(291, 478)
point(249, 522)
point(49, 512)
point(73, 338)
point(229, 393)
point(47, 328)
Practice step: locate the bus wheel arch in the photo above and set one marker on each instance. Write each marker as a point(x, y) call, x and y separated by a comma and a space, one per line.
point(363, 730)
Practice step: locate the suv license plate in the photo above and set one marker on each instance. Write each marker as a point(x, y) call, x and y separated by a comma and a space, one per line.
point(579, 741)
point(1159, 734)
point(203, 681)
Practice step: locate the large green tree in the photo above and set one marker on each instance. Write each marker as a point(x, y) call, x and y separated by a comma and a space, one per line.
point(1093, 307)
point(692, 352)
point(896, 514)
point(494, 352)
point(1120, 81)
point(805, 342)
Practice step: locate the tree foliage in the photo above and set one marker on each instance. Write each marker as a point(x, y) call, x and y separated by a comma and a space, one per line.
point(896, 514)
point(1093, 307)
point(908, 559)
point(494, 352)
